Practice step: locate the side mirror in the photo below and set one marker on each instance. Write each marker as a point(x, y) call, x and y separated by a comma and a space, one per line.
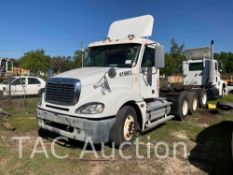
point(220, 67)
point(159, 57)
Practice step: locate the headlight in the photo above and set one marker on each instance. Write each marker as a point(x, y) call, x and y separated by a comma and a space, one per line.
point(91, 108)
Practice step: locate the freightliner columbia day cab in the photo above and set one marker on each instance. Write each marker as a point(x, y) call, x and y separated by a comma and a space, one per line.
point(116, 94)
point(201, 70)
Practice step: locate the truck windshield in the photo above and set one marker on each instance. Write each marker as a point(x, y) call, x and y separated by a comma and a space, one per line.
point(121, 55)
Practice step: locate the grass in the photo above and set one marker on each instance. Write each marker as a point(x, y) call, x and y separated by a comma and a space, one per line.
point(207, 135)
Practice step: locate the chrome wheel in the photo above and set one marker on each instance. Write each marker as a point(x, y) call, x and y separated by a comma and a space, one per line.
point(129, 128)
point(185, 108)
point(195, 104)
point(204, 99)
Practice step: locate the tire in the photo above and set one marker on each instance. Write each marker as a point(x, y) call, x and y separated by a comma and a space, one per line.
point(193, 102)
point(124, 129)
point(183, 107)
point(180, 106)
point(41, 92)
point(225, 105)
point(202, 98)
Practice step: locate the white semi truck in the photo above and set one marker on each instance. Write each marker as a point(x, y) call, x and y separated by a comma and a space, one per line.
point(201, 70)
point(116, 94)
point(201, 79)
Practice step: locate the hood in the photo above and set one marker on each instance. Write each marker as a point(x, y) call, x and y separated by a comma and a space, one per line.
point(88, 75)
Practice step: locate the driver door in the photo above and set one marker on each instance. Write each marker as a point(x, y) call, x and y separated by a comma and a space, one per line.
point(148, 75)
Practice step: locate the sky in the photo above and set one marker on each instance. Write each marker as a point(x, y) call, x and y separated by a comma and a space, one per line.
point(59, 26)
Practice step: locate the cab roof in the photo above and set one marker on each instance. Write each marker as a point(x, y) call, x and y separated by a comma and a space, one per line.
point(130, 39)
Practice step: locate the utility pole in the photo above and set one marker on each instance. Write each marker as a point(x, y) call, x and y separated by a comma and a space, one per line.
point(9, 95)
point(82, 50)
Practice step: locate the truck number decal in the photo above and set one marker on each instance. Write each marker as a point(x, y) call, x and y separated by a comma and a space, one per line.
point(125, 73)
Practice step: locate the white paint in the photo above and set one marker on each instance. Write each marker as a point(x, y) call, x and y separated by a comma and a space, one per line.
point(139, 27)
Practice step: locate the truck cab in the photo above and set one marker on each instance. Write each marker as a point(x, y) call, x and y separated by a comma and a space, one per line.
point(200, 70)
point(115, 94)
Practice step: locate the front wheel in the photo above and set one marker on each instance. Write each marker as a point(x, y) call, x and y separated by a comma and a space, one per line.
point(125, 127)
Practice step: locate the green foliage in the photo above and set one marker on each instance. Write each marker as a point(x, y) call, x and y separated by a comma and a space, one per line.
point(78, 54)
point(36, 61)
point(226, 58)
point(173, 59)
point(61, 64)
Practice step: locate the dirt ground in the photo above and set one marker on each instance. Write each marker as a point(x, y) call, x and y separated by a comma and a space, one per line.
point(207, 137)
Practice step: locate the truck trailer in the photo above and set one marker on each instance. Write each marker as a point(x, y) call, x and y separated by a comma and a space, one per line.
point(116, 93)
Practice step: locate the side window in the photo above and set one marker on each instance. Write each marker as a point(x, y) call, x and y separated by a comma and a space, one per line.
point(148, 58)
point(19, 81)
point(196, 66)
point(10, 66)
point(33, 81)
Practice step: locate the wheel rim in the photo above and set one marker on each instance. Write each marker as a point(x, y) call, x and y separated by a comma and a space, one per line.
point(185, 108)
point(129, 128)
point(195, 104)
point(204, 99)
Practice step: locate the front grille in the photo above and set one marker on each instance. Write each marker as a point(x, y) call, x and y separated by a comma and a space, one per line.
point(62, 91)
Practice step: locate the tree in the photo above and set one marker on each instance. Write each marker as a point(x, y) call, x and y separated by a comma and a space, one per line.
point(173, 59)
point(35, 61)
point(78, 54)
point(169, 68)
point(226, 58)
point(176, 50)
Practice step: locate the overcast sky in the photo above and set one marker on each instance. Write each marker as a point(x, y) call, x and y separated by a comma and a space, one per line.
point(59, 26)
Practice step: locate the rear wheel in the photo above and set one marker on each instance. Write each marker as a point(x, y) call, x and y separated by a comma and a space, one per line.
point(125, 127)
point(203, 98)
point(180, 106)
point(184, 108)
point(193, 102)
